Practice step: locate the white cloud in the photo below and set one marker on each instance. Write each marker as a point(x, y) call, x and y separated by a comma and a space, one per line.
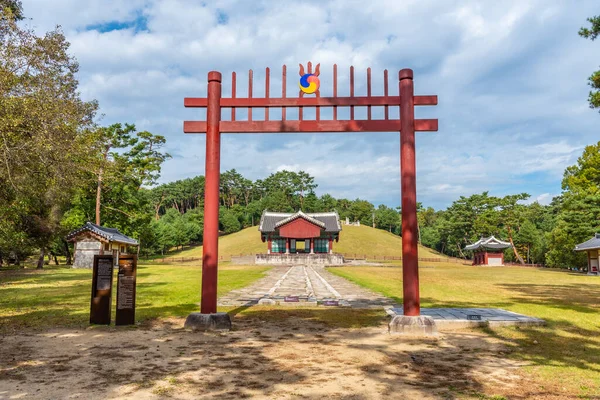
point(511, 80)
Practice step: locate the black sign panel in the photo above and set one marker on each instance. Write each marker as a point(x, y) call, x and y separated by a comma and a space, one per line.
point(126, 290)
point(291, 299)
point(101, 289)
point(474, 317)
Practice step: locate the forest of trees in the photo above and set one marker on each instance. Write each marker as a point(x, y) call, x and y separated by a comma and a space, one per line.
point(60, 169)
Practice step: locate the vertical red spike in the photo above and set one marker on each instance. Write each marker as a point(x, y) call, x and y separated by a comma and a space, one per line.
point(309, 65)
point(352, 91)
point(318, 109)
point(267, 84)
point(385, 92)
point(300, 110)
point(233, 94)
point(283, 89)
point(369, 91)
point(334, 90)
point(250, 78)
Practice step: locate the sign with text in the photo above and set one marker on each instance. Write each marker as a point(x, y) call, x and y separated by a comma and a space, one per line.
point(126, 290)
point(474, 317)
point(102, 277)
point(291, 299)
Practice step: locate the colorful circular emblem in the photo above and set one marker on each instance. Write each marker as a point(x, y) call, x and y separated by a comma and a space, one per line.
point(309, 83)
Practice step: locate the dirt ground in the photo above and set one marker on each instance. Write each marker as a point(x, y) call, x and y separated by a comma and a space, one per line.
point(287, 359)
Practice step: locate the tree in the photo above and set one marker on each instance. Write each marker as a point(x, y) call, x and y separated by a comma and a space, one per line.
point(385, 217)
point(594, 80)
point(45, 133)
point(579, 210)
point(112, 137)
point(14, 7)
point(512, 217)
point(228, 221)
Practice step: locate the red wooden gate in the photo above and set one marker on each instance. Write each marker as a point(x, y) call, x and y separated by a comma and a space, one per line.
point(406, 125)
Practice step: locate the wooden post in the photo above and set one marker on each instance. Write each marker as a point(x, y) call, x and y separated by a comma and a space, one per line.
point(330, 245)
point(287, 246)
point(270, 246)
point(410, 266)
point(210, 250)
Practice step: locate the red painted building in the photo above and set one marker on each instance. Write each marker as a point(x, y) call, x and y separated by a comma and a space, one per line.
point(299, 232)
point(488, 251)
point(592, 247)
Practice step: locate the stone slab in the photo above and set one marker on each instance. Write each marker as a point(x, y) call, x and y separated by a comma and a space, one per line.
point(456, 318)
point(421, 326)
point(208, 322)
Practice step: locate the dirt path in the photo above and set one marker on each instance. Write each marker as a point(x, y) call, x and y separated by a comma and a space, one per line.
point(290, 358)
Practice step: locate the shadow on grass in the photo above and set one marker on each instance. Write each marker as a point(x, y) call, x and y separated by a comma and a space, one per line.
point(578, 297)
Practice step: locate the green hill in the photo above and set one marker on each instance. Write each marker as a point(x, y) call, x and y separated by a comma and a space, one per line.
point(359, 240)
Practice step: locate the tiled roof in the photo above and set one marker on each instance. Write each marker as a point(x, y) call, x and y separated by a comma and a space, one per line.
point(270, 221)
point(110, 234)
point(592, 244)
point(490, 243)
point(297, 215)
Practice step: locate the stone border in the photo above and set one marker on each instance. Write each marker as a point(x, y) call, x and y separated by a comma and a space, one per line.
point(452, 318)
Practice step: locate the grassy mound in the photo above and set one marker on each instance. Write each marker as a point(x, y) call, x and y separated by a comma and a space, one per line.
point(359, 240)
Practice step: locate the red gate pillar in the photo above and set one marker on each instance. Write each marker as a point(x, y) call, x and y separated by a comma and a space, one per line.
point(210, 249)
point(410, 267)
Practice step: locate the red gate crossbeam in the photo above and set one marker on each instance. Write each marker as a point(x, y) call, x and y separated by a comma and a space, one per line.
point(353, 125)
point(309, 126)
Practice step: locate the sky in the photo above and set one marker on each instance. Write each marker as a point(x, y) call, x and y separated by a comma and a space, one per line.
point(510, 76)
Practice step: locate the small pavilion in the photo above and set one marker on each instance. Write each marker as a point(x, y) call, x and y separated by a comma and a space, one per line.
point(488, 251)
point(284, 231)
point(92, 239)
point(592, 247)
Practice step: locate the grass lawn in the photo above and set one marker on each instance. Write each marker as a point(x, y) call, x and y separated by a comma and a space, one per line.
point(564, 355)
point(60, 296)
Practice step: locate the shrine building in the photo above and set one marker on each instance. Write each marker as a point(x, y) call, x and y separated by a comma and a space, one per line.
point(488, 251)
point(592, 247)
point(92, 239)
point(302, 236)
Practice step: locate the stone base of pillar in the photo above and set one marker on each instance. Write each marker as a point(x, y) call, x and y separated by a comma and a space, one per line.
point(412, 326)
point(208, 322)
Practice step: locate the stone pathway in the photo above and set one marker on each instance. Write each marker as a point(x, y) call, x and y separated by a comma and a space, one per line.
point(303, 286)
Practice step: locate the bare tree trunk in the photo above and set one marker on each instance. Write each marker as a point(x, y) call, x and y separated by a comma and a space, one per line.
point(40, 263)
point(460, 250)
point(1, 260)
point(98, 195)
point(55, 259)
point(67, 252)
point(157, 207)
point(517, 255)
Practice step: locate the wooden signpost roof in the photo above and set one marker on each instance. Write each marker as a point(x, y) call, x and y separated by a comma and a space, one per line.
point(107, 234)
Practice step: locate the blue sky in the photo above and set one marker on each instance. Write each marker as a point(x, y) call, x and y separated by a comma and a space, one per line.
point(511, 77)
